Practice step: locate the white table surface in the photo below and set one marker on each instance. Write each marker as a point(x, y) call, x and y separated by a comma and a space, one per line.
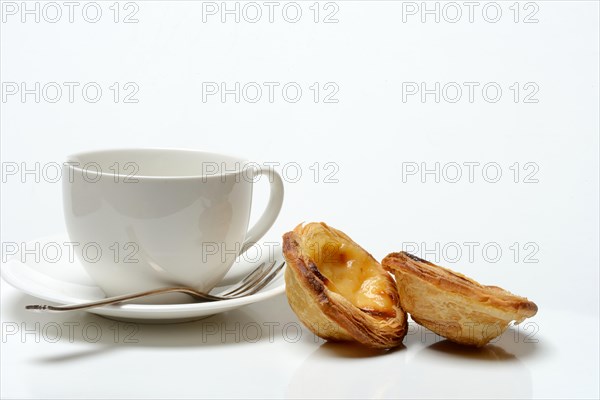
point(553, 357)
point(370, 135)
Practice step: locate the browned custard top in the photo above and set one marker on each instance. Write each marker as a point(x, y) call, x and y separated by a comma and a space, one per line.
point(349, 270)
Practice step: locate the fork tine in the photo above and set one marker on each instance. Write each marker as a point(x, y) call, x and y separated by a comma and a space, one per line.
point(244, 281)
point(252, 274)
point(250, 281)
point(265, 281)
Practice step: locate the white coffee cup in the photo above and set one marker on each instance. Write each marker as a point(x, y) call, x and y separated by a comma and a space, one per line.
point(151, 218)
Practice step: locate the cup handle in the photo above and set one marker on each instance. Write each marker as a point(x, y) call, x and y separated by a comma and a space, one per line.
point(267, 219)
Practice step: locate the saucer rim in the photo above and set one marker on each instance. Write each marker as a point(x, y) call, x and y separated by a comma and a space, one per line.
point(14, 281)
point(18, 282)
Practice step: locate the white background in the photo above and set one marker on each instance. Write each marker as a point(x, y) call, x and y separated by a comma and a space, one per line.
point(369, 137)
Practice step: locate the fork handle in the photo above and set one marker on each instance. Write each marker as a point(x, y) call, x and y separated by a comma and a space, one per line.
point(119, 299)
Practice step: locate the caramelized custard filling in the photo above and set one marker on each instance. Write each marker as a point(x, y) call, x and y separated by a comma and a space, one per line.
point(350, 271)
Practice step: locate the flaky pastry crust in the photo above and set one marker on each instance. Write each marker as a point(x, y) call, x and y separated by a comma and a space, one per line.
point(317, 300)
point(452, 305)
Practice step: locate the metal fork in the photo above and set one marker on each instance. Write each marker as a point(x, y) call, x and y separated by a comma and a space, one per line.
point(252, 283)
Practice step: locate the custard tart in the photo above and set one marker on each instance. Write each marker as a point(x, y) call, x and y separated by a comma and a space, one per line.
point(452, 305)
point(338, 290)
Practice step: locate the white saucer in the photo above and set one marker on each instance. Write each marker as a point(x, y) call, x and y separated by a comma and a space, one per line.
point(67, 282)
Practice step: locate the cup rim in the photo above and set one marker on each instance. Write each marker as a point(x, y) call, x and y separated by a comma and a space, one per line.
point(242, 160)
